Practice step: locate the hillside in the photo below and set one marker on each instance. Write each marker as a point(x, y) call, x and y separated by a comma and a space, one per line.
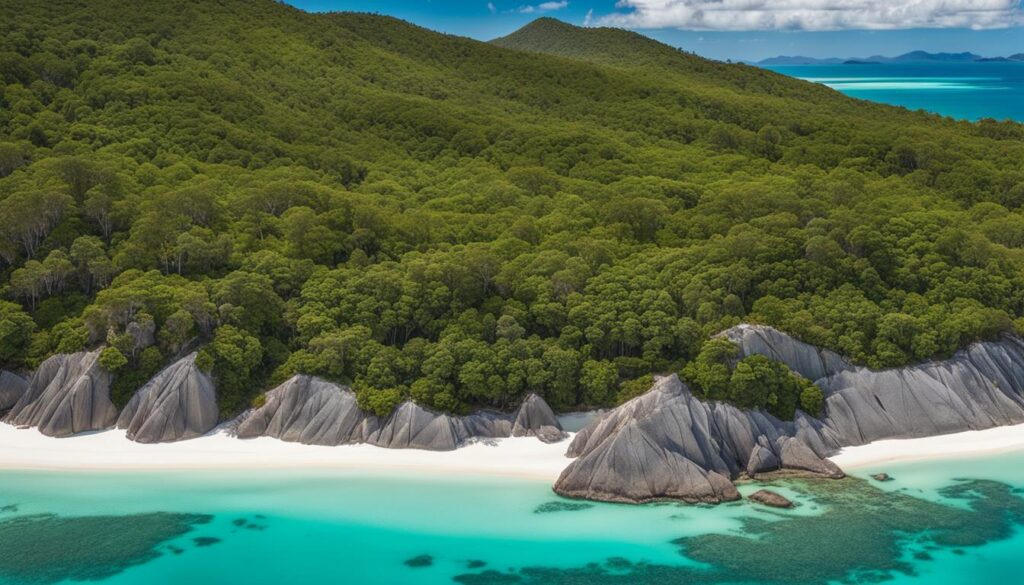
point(427, 216)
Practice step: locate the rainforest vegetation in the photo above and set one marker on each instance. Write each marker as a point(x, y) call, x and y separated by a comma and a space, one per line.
point(565, 210)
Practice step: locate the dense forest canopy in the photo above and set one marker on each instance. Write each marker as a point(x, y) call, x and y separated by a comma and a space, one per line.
point(564, 211)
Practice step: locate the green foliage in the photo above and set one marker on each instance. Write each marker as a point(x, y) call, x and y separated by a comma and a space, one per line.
point(812, 400)
point(379, 401)
point(112, 359)
point(566, 211)
point(16, 329)
point(630, 389)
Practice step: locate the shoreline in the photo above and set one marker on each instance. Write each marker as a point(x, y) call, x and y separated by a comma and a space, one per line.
point(110, 450)
point(521, 457)
point(994, 441)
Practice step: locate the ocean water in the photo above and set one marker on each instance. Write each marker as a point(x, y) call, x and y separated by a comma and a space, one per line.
point(938, 522)
point(968, 91)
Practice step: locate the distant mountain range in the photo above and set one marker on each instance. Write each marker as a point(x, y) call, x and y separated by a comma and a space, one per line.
point(911, 57)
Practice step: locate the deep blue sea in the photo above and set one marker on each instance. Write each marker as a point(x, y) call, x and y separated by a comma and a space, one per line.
point(939, 522)
point(968, 91)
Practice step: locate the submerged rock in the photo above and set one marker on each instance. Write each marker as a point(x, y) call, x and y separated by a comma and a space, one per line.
point(12, 388)
point(310, 410)
point(179, 403)
point(883, 477)
point(770, 498)
point(68, 394)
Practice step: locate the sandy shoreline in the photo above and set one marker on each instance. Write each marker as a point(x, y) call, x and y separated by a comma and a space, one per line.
point(26, 449)
point(993, 441)
point(524, 457)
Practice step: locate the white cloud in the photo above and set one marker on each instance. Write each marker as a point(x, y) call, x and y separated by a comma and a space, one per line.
point(543, 7)
point(589, 18)
point(814, 14)
point(492, 8)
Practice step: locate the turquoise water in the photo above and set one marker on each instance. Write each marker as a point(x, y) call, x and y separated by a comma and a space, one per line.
point(286, 527)
point(967, 91)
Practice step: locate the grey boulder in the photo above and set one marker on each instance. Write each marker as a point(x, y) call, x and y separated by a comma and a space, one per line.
point(179, 403)
point(12, 388)
point(68, 394)
point(536, 419)
point(312, 411)
point(770, 498)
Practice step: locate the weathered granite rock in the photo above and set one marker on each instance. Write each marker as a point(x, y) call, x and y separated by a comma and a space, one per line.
point(762, 460)
point(536, 419)
point(68, 394)
point(807, 360)
point(770, 498)
point(12, 388)
point(412, 426)
point(979, 387)
point(666, 444)
point(883, 477)
point(179, 403)
point(796, 455)
point(312, 411)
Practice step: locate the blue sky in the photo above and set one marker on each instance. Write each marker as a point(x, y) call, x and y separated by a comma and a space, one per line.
point(739, 29)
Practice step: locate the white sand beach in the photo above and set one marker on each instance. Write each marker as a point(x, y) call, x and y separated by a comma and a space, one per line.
point(110, 450)
point(524, 457)
point(970, 443)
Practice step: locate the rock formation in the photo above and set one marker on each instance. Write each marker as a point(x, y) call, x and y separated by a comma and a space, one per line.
point(536, 419)
point(770, 498)
point(68, 394)
point(807, 360)
point(12, 388)
point(178, 403)
point(312, 411)
point(668, 444)
point(412, 426)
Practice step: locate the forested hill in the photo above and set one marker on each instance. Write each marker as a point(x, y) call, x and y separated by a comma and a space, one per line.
point(427, 216)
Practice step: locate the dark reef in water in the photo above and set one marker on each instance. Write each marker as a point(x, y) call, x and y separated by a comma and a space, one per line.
point(549, 507)
point(46, 548)
point(860, 537)
point(418, 562)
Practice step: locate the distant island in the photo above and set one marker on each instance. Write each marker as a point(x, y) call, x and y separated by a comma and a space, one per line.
point(911, 57)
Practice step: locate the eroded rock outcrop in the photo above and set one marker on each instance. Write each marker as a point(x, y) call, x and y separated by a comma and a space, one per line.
point(179, 403)
point(667, 444)
point(632, 453)
point(536, 419)
point(805, 359)
point(412, 426)
point(68, 394)
point(12, 388)
point(310, 410)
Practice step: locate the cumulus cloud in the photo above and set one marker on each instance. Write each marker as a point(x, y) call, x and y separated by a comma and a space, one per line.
point(544, 7)
point(814, 14)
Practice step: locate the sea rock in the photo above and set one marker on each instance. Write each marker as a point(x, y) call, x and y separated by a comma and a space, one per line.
point(664, 444)
point(12, 388)
point(770, 498)
point(535, 418)
point(630, 467)
point(807, 360)
point(310, 410)
point(179, 403)
point(883, 477)
point(68, 394)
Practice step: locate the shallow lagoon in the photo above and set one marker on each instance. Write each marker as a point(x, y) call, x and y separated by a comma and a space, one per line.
point(925, 527)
